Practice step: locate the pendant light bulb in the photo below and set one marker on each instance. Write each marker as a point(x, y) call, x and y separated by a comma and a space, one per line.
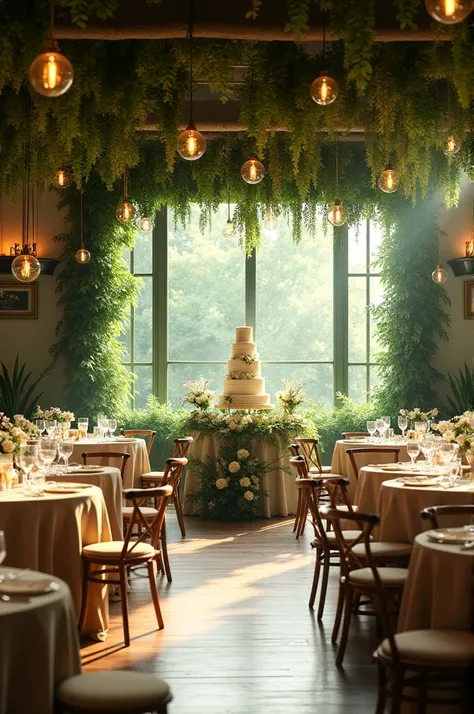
point(439, 275)
point(229, 229)
point(26, 267)
point(449, 12)
point(63, 178)
point(270, 223)
point(51, 74)
point(146, 224)
point(252, 171)
point(324, 89)
point(452, 146)
point(336, 214)
point(125, 212)
point(388, 180)
point(191, 144)
point(82, 256)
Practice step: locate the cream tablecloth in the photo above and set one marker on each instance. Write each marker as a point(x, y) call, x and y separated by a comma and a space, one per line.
point(400, 506)
point(439, 588)
point(341, 463)
point(370, 480)
point(39, 648)
point(109, 481)
point(137, 464)
point(48, 534)
point(280, 485)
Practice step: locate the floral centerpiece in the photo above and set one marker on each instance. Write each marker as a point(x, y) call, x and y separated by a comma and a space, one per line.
point(53, 414)
point(12, 435)
point(417, 415)
point(291, 396)
point(459, 430)
point(198, 394)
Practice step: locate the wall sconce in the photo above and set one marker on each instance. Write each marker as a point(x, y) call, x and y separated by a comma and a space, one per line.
point(469, 248)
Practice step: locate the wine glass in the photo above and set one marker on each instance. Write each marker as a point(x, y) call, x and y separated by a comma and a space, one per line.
point(47, 452)
point(37, 480)
point(386, 419)
point(41, 426)
point(51, 426)
point(83, 427)
point(112, 427)
point(380, 424)
point(371, 428)
point(28, 458)
point(65, 450)
point(402, 425)
point(413, 450)
point(420, 427)
point(427, 445)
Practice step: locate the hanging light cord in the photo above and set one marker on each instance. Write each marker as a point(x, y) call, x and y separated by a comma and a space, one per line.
point(125, 184)
point(337, 166)
point(324, 40)
point(190, 33)
point(82, 219)
point(1, 224)
point(51, 20)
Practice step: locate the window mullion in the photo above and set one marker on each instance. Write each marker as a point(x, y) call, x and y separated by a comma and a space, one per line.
point(367, 344)
point(251, 290)
point(160, 305)
point(341, 308)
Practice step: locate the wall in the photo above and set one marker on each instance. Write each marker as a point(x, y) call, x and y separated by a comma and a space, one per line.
point(458, 225)
point(31, 338)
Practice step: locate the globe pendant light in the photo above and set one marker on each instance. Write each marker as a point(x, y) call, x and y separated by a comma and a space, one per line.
point(82, 255)
point(26, 266)
point(146, 224)
point(191, 144)
point(324, 89)
point(252, 171)
point(51, 74)
point(388, 180)
point(449, 12)
point(62, 178)
point(336, 214)
point(125, 212)
point(452, 146)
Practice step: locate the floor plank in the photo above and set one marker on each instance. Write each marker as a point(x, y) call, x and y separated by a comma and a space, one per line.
point(239, 637)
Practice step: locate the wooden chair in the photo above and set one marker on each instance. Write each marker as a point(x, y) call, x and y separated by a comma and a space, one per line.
point(349, 434)
point(386, 451)
point(423, 667)
point(107, 455)
point(147, 434)
point(356, 577)
point(120, 691)
point(310, 449)
point(114, 557)
point(432, 514)
point(155, 478)
point(171, 475)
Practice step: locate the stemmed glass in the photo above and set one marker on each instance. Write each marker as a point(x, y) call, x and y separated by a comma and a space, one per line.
point(413, 450)
point(28, 458)
point(402, 425)
point(47, 452)
point(420, 427)
point(427, 445)
point(65, 450)
point(51, 426)
point(112, 427)
point(371, 428)
point(41, 426)
point(380, 424)
point(82, 427)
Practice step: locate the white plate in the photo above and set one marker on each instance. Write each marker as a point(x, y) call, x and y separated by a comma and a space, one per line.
point(65, 488)
point(88, 470)
point(456, 536)
point(21, 586)
point(418, 482)
point(123, 439)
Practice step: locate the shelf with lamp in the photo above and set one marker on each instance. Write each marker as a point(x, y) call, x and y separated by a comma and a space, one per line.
point(465, 265)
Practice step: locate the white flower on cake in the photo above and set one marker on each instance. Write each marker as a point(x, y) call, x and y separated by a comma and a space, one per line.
point(243, 454)
point(241, 375)
point(221, 483)
point(248, 495)
point(244, 482)
point(234, 467)
point(248, 359)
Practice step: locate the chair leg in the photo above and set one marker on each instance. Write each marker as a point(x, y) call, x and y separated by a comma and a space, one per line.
point(303, 514)
point(298, 511)
point(179, 511)
point(124, 604)
point(164, 552)
point(324, 586)
point(85, 595)
point(337, 620)
point(317, 567)
point(154, 593)
point(345, 626)
point(397, 691)
point(382, 683)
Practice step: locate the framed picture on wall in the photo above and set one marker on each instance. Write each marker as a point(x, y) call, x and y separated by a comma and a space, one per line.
point(469, 300)
point(19, 300)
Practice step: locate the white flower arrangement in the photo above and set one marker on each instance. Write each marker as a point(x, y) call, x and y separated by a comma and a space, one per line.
point(198, 394)
point(53, 414)
point(25, 425)
point(247, 358)
point(459, 430)
point(292, 395)
point(11, 436)
point(241, 375)
point(417, 415)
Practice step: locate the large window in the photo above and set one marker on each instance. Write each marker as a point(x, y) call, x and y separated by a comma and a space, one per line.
point(308, 304)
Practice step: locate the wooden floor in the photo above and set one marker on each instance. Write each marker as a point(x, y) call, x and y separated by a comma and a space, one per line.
point(239, 637)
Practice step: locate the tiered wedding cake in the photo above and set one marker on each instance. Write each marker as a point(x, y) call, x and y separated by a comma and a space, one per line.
point(244, 388)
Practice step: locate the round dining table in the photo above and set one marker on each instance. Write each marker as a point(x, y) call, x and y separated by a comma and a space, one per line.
point(47, 533)
point(39, 645)
point(439, 587)
point(341, 463)
point(400, 506)
point(137, 464)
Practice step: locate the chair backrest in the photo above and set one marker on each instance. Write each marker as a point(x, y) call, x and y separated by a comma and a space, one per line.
point(181, 446)
point(145, 527)
point(310, 449)
point(107, 455)
point(295, 449)
point(348, 434)
point(174, 471)
point(434, 512)
point(348, 561)
point(147, 434)
point(389, 454)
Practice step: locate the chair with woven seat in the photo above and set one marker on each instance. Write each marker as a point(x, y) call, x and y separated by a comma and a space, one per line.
point(155, 478)
point(356, 578)
point(171, 475)
point(107, 455)
point(419, 666)
point(115, 557)
point(389, 455)
point(433, 513)
point(354, 434)
point(146, 434)
point(120, 691)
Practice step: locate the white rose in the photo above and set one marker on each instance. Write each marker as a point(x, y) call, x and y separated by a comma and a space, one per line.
point(8, 447)
point(16, 431)
point(221, 483)
point(243, 454)
point(232, 425)
point(244, 482)
point(240, 427)
point(234, 466)
point(248, 495)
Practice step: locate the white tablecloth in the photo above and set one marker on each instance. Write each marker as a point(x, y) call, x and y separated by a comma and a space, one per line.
point(48, 534)
point(39, 648)
point(439, 588)
point(137, 464)
point(280, 485)
point(341, 463)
